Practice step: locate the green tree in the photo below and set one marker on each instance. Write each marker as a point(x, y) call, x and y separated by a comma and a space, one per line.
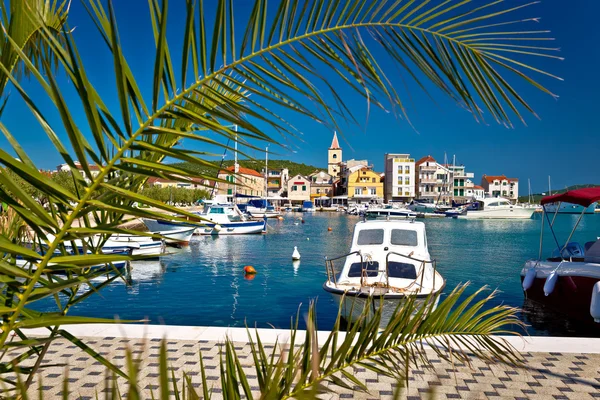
point(219, 82)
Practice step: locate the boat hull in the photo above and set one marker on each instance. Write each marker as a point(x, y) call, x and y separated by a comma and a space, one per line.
point(353, 305)
point(353, 302)
point(572, 292)
point(231, 228)
point(180, 237)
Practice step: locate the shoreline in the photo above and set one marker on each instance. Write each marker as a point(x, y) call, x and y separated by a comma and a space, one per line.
point(536, 344)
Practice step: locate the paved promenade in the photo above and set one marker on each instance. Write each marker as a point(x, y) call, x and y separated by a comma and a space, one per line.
point(557, 368)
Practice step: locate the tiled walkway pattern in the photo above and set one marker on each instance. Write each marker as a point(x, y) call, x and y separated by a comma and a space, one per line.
point(547, 375)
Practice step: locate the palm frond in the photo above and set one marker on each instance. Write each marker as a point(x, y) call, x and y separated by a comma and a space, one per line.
point(473, 54)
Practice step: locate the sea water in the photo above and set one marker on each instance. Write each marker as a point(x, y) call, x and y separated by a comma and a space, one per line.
point(204, 284)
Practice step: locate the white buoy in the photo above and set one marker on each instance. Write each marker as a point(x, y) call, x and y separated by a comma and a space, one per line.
point(529, 278)
point(550, 283)
point(595, 303)
point(217, 228)
point(295, 254)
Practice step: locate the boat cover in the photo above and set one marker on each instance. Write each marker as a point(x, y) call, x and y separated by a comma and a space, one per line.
point(583, 197)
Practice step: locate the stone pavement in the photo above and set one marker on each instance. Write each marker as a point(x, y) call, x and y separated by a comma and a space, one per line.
point(548, 375)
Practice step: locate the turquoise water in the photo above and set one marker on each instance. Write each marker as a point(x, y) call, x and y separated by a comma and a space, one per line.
point(204, 284)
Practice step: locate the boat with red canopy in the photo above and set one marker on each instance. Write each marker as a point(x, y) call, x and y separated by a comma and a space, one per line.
point(569, 280)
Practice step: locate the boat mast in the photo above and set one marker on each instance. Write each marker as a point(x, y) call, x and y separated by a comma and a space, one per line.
point(236, 168)
point(266, 173)
point(529, 199)
point(549, 188)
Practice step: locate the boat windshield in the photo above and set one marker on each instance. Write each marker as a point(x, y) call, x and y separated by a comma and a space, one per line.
point(371, 269)
point(403, 237)
point(234, 218)
point(370, 236)
point(217, 210)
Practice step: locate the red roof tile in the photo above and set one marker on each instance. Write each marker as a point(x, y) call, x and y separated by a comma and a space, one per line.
point(492, 178)
point(425, 159)
point(245, 171)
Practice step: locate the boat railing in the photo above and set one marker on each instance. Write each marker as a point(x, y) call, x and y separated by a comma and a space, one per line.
point(421, 272)
point(329, 267)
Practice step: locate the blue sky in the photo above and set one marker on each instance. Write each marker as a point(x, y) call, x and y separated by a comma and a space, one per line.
point(564, 143)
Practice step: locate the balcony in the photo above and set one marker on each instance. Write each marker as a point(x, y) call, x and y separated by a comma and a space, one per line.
point(428, 168)
point(465, 175)
point(428, 180)
point(274, 185)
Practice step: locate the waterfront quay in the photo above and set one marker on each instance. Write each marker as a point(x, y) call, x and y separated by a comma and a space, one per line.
point(554, 368)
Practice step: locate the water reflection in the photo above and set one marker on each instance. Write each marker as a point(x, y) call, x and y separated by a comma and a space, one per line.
point(547, 321)
point(296, 266)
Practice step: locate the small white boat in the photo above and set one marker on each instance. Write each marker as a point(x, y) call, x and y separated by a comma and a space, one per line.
point(260, 209)
point(145, 245)
point(388, 261)
point(498, 208)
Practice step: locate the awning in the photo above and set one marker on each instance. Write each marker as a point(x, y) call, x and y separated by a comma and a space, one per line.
point(322, 198)
point(246, 196)
point(583, 197)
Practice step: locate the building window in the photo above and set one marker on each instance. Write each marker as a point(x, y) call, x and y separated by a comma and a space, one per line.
point(407, 169)
point(334, 155)
point(294, 188)
point(357, 191)
point(407, 181)
point(373, 192)
point(304, 188)
point(373, 180)
point(229, 191)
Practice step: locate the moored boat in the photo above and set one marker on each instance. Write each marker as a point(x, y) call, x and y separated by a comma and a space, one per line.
point(498, 208)
point(388, 262)
point(569, 280)
point(214, 219)
point(389, 212)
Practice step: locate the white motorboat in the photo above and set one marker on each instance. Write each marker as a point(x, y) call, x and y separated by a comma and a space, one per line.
point(214, 219)
point(389, 212)
point(570, 208)
point(146, 245)
point(498, 208)
point(388, 261)
point(569, 280)
point(260, 209)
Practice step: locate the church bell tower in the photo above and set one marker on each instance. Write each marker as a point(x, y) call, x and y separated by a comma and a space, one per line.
point(334, 157)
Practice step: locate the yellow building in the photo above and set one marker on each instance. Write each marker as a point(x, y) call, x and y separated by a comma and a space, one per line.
point(364, 183)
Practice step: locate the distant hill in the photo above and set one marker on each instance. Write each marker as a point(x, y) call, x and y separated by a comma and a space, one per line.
point(538, 196)
point(295, 168)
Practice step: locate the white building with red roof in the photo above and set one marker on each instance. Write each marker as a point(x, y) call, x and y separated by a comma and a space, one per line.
point(500, 186)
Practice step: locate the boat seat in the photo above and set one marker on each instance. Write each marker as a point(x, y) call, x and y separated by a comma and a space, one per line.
point(592, 254)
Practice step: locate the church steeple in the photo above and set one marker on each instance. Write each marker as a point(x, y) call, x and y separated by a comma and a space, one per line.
point(334, 157)
point(334, 142)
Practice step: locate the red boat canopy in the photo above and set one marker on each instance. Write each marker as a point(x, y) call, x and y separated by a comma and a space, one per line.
point(583, 197)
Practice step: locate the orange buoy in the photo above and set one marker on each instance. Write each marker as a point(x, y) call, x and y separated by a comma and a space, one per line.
point(249, 277)
point(329, 229)
point(249, 270)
